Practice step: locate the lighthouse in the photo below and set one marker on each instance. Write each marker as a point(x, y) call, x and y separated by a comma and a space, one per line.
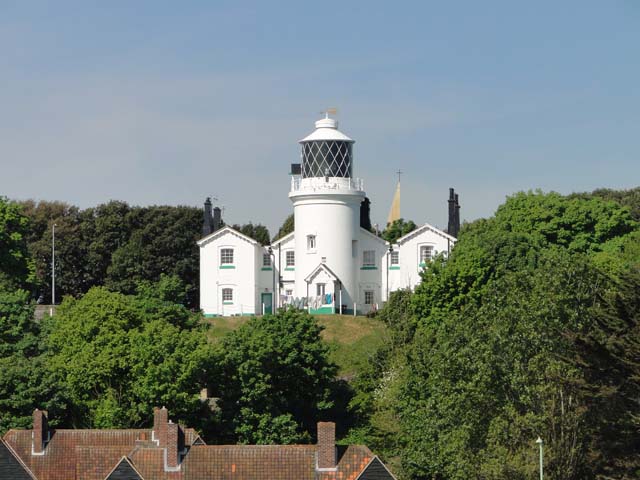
point(331, 262)
point(326, 204)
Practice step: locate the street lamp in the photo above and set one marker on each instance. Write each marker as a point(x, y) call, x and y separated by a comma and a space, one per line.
point(388, 255)
point(53, 268)
point(541, 443)
point(273, 273)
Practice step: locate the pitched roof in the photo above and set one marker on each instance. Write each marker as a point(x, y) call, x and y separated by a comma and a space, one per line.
point(321, 266)
point(424, 228)
point(223, 231)
point(283, 239)
point(131, 455)
point(11, 466)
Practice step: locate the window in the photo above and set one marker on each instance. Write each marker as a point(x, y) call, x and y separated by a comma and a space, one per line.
point(320, 289)
point(395, 258)
point(369, 258)
point(311, 242)
point(426, 253)
point(227, 294)
point(288, 293)
point(291, 258)
point(226, 256)
point(368, 297)
point(266, 260)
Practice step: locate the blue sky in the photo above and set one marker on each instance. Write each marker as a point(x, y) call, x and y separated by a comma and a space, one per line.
point(169, 102)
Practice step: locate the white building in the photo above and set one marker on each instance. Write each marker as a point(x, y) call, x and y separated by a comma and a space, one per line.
point(329, 264)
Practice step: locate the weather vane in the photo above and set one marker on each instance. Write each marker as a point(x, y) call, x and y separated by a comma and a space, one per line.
point(329, 111)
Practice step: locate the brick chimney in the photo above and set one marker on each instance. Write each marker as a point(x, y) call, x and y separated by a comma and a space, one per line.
point(327, 445)
point(40, 431)
point(175, 444)
point(160, 421)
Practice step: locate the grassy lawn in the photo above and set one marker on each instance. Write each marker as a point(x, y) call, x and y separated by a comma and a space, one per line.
point(352, 339)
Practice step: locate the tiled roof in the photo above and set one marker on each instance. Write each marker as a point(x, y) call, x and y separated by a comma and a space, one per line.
point(70, 454)
point(94, 454)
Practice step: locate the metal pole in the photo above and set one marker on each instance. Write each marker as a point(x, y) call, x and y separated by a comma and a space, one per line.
point(53, 265)
point(541, 443)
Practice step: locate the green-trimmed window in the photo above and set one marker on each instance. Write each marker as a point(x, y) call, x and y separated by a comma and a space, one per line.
point(227, 294)
point(369, 258)
point(426, 253)
point(226, 256)
point(395, 258)
point(266, 260)
point(290, 258)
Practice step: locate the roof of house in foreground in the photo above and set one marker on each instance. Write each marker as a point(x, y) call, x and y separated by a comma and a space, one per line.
point(137, 454)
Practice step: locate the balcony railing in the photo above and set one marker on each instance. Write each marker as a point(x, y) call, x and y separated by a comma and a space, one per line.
point(329, 183)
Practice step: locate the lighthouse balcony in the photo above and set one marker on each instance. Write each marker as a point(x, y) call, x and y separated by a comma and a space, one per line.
point(326, 184)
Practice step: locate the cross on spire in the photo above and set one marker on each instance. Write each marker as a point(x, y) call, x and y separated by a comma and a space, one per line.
point(399, 172)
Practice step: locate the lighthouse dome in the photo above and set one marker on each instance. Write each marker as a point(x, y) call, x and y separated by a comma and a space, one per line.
point(327, 152)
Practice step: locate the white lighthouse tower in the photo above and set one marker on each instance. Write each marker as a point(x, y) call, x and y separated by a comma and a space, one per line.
point(326, 200)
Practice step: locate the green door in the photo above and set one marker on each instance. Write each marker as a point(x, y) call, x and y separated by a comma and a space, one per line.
point(267, 301)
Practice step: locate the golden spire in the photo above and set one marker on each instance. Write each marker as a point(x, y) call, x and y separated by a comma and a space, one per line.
point(394, 213)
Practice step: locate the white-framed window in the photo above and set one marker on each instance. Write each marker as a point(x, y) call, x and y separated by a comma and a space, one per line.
point(395, 258)
point(266, 260)
point(369, 258)
point(226, 256)
point(368, 297)
point(291, 258)
point(426, 253)
point(227, 294)
point(320, 289)
point(311, 242)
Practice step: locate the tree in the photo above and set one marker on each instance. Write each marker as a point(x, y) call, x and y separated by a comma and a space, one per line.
point(277, 379)
point(399, 228)
point(16, 268)
point(287, 227)
point(25, 381)
point(258, 232)
point(163, 240)
point(117, 356)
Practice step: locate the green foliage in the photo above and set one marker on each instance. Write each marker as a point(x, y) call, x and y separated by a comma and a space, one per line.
point(579, 225)
point(165, 242)
point(24, 377)
point(627, 198)
point(15, 266)
point(287, 227)
point(399, 228)
point(277, 379)
point(118, 356)
point(258, 232)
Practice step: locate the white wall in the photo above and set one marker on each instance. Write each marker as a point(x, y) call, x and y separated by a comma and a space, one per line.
point(241, 278)
point(333, 216)
point(408, 275)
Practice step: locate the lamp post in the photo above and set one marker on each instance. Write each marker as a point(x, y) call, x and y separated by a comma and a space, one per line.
point(272, 258)
point(388, 255)
point(53, 268)
point(541, 443)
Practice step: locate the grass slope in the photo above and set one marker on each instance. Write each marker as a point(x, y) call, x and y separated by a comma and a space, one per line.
point(352, 339)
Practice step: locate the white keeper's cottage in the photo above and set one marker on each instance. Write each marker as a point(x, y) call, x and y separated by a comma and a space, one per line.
point(329, 264)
